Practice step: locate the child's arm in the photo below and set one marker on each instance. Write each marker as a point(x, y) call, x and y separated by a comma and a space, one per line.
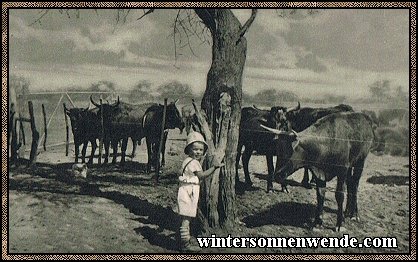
point(208, 172)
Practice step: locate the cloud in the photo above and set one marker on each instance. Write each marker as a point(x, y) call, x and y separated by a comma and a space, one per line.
point(311, 62)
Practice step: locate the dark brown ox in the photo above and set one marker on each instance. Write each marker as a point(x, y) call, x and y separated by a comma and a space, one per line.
point(85, 125)
point(121, 121)
point(254, 138)
point(335, 146)
point(152, 126)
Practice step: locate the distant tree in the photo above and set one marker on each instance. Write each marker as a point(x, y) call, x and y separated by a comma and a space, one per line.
point(286, 96)
point(174, 90)
point(103, 86)
point(267, 97)
point(247, 99)
point(380, 90)
point(335, 99)
point(400, 94)
point(141, 92)
point(20, 84)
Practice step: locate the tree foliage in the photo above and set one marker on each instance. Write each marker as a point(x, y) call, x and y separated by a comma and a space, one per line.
point(175, 90)
point(141, 92)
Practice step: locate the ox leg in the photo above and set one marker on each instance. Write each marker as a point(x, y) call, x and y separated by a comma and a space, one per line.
point(124, 146)
point(83, 152)
point(352, 188)
point(149, 153)
point(339, 196)
point(77, 151)
point(245, 160)
point(93, 150)
point(238, 157)
point(320, 197)
point(134, 144)
point(270, 168)
point(115, 143)
point(106, 143)
point(305, 181)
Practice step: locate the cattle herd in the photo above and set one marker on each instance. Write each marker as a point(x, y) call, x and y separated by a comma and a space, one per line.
point(329, 142)
point(119, 122)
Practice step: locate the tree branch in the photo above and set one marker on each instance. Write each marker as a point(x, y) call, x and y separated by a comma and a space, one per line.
point(146, 13)
point(247, 24)
point(207, 17)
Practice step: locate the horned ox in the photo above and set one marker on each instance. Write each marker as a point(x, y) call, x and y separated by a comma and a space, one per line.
point(121, 121)
point(85, 125)
point(253, 137)
point(337, 145)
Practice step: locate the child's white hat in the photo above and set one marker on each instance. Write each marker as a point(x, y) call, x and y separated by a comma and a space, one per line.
point(195, 137)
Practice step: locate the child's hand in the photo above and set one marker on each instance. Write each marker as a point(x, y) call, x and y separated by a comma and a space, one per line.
point(217, 164)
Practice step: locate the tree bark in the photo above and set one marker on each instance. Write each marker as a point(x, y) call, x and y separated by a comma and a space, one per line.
point(225, 75)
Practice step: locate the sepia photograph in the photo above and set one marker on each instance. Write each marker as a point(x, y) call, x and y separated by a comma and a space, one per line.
point(257, 129)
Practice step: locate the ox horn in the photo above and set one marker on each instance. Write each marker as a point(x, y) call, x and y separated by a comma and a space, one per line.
point(94, 103)
point(117, 103)
point(258, 108)
point(279, 132)
point(294, 108)
point(66, 109)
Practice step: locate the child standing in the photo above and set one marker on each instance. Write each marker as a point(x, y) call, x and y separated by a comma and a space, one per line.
point(188, 193)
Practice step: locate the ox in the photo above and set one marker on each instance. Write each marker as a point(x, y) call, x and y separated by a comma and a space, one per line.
point(253, 137)
point(85, 125)
point(121, 121)
point(152, 126)
point(334, 146)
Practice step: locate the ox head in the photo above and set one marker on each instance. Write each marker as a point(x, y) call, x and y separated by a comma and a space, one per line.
point(108, 110)
point(77, 117)
point(278, 117)
point(174, 119)
point(289, 149)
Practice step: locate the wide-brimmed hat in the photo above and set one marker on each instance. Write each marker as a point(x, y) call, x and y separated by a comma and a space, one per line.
point(195, 137)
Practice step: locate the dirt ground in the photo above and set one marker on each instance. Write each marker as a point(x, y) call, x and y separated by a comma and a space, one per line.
point(121, 210)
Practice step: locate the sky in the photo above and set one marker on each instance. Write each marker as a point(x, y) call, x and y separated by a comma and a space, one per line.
point(334, 51)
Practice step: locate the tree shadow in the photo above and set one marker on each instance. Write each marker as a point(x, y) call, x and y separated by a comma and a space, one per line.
point(150, 214)
point(285, 214)
point(389, 180)
point(58, 179)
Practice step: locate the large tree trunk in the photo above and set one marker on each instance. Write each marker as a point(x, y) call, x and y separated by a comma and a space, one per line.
point(225, 75)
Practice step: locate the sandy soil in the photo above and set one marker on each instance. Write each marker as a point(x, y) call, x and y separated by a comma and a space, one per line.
point(122, 210)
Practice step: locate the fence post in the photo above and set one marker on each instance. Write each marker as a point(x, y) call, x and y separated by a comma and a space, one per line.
point(157, 168)
point(35, 136)
point(102, 133)
point(13, 134)
point(67, 130)
point(45, 126)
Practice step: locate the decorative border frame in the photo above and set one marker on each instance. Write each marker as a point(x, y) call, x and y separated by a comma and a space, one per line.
point(4, 118)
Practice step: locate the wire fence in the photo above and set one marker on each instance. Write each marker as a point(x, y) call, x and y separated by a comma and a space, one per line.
point(55, 126)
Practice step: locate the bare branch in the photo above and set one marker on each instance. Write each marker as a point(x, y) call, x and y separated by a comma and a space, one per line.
point(44, 13)
point(146, 13)
point(247, 24)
